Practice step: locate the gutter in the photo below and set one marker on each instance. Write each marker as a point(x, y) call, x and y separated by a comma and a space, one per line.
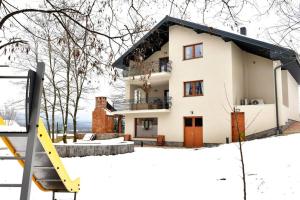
point(278, 129)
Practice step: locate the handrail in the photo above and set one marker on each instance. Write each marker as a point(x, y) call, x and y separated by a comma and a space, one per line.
point(143, 103)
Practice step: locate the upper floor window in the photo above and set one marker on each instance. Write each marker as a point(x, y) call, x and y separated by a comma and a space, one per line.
point(193, 88)
point(193, 51)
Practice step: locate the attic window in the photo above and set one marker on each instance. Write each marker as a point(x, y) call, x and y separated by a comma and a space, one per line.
point(193, 51)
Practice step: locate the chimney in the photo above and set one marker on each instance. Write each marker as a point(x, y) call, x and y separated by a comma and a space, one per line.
point(101, 102)
point(99, 116)
point(243, 30)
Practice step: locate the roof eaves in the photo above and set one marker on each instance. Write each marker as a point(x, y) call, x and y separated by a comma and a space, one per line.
point(276, 51)
point(119, 60)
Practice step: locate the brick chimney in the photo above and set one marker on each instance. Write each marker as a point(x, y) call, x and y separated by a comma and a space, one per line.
point(101, 102)
point(101, 123)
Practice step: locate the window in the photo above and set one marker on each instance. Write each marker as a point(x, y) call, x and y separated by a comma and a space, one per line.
point(147, 124)
point(146, 127)
point(193, 88)
point(193, 51)
point(188, 52)
point(198, 121)
point(188, 122)
point(188, 89)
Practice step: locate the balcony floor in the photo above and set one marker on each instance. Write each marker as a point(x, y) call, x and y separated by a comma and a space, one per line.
point(123, 112)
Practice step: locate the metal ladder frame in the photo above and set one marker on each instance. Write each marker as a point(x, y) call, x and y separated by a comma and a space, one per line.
point(31, 134)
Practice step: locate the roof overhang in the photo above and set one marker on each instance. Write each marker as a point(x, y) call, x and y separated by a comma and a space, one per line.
point(288, 57)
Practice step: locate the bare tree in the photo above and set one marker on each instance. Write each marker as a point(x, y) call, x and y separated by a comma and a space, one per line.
point(241, 138)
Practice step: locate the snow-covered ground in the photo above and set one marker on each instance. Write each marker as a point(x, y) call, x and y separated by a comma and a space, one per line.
point(272, 169)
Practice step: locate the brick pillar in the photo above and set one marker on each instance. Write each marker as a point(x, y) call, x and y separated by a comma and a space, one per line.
point(99, 116)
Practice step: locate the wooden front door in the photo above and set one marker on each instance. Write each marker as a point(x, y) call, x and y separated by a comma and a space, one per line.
point(193, 132)
point(238, 126)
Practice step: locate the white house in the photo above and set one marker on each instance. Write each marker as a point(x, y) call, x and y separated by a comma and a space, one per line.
point(199, 75)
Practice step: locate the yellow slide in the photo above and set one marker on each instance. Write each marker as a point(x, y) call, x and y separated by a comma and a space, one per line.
point(49, 173)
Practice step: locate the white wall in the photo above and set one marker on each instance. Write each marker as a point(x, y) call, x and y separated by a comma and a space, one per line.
point(259, 81)
point(157, 91)
point(228, 74)
point(258, 117)
point(252, 77)
point(288, 96)
point(238, 74)
point(293, 98)
point(285, 90)
point(215, 71)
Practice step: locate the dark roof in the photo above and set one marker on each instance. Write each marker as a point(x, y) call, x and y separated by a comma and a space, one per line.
point(110, 107)
point(287, 57)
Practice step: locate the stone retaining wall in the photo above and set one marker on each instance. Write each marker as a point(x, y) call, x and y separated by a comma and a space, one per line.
point(81, 150)
point(269, 132)
point(154, 143)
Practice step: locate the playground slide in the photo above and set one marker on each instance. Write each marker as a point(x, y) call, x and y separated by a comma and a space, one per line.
point(49, 173)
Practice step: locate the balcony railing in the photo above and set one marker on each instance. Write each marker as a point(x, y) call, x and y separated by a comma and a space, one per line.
point(147, 68)
point(143, 104)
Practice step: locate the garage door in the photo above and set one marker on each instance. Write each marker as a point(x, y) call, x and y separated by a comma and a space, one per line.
point(193, 132)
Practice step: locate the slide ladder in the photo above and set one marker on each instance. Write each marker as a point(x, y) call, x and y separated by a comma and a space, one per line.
point(34, 150)
point(49, 173)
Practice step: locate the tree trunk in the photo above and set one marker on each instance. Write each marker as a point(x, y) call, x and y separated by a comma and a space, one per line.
point(46, 110)
point(75, 129)
point(53, 87)
point(68, 92)
point(241, 156)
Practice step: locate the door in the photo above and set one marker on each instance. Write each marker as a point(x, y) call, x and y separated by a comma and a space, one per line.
point(166, 99)
point(163, 64)
point(238, 126)
point(193, 132)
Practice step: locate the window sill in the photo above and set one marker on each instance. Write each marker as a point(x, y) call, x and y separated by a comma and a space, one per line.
point(194, 96)
point(191, 58)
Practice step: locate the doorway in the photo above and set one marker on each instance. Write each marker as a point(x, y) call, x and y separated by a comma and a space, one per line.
point(193, 132)
point(163, 64)
point(146, 127)
point(166, 99)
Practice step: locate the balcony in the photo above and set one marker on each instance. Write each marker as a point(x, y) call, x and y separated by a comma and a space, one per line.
point(154, 67)
point(152, 104)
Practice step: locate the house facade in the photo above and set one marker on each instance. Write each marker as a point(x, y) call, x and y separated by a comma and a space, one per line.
point(197, 76)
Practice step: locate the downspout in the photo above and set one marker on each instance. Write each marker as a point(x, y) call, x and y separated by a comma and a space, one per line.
point(278, 129)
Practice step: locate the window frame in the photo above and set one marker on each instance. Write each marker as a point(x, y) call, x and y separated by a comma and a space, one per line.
point(143, 119)
point(193, 51)
point(193, 88)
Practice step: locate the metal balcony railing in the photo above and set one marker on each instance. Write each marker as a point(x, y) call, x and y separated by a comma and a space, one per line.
point(143, 104)
point(146, 68)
